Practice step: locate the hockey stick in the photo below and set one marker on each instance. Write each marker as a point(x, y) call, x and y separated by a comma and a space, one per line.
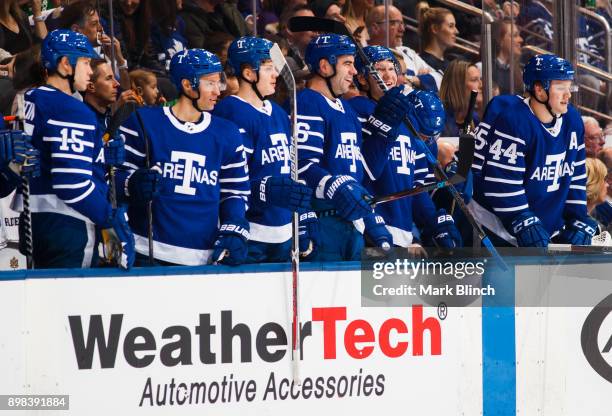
point(464, 163)
point(285, 72)
point(27, 212)
point(150, 203)
point(110, 241)
point(317, 24)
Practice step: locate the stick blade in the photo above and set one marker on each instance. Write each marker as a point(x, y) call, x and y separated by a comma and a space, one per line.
point(465, 155)
point(317, 24)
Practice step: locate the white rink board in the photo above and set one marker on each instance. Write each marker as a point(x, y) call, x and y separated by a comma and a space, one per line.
point(414, 383)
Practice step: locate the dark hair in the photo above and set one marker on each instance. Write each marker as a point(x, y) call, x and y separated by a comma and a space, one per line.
point(76, 14)
point(163, 13)
point(287, 14)
point(135, 28)
point(95, 65)
point(216, 41)
point(28, 69)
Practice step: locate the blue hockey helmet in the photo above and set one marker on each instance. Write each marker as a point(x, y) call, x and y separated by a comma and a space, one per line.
point(191, 64)
point(329, 46)
point(546, 68)
point(426, 112)
point(376, 53)
point(248, 50)
point(62, 42)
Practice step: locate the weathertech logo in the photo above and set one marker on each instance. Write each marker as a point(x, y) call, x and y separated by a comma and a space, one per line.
point(394, 338)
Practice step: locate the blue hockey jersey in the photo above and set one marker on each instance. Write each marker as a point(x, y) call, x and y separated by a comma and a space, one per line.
point(406, 167)
point(72, 180)
point(329, 139)
point(204, 182)
point(530, 167)
point(266, 136)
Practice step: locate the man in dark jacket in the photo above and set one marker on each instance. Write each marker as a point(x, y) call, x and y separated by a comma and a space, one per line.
point(205, 16)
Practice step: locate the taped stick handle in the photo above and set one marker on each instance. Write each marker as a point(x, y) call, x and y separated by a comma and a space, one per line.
point(470, 112)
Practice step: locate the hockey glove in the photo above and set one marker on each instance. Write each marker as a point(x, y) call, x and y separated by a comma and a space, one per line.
point(443, 233)
point(119, 239)
point(348, 197)
point(529, 231)
point(16, 147)
point(579, 232)
point(376, 231)
point(282, 192)
point(231, 245)
point(389, 114)
point(114, 152)
point(142, 186)
point(308, 233)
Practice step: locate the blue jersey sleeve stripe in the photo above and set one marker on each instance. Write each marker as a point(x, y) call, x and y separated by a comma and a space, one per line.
point(234, 191)
point(366, 131)
point(507, 167)
point(581, 147)
point(579, 187)
point(134, 151)
point(504, 194)
point(511, 209)
point(234, 165)
point(72, 156)
point(69, 141)
point(305, 168)
point(475, 166)
point(227, 180)
point(313, 118)
point(130, 165)
point(315, 134)
point(502, 180)
point(72, 185)
point(311, 148)
point(479, 156)
point(575, 202)
point(71, 170)
point(82, 196)
point(419, 156)
point(71, 125)
point(579, 163)
point(507, 136)
point(128, 131)
point(421, 170)
point(577, 178)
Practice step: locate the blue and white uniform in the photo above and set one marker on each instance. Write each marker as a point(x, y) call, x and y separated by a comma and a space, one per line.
point(204, 182)
point(266, 137)
point(529, 166)
point(70, 196)
point(406, 168)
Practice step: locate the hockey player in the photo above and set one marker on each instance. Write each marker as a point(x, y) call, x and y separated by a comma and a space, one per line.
point(204, 178)
point(407, 164)
point(69, 200)
point(332, 158)
point(531, 186)
point(267, 136)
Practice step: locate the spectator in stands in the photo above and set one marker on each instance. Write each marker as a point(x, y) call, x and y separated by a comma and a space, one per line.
point(354, 13)
point(218, 43)
point(82, 16)
point(298, 41)
point(205, 16)
point(328, 9)
point(27, 73)
point(459, 80)
point(593, 136)
point(603, 211)
point(438, 33)
point(419, 73)
point(508, 43)
point(16, 35)
point(132, 27)
point(144, 83)
point(167, 31)
point(597, 186)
